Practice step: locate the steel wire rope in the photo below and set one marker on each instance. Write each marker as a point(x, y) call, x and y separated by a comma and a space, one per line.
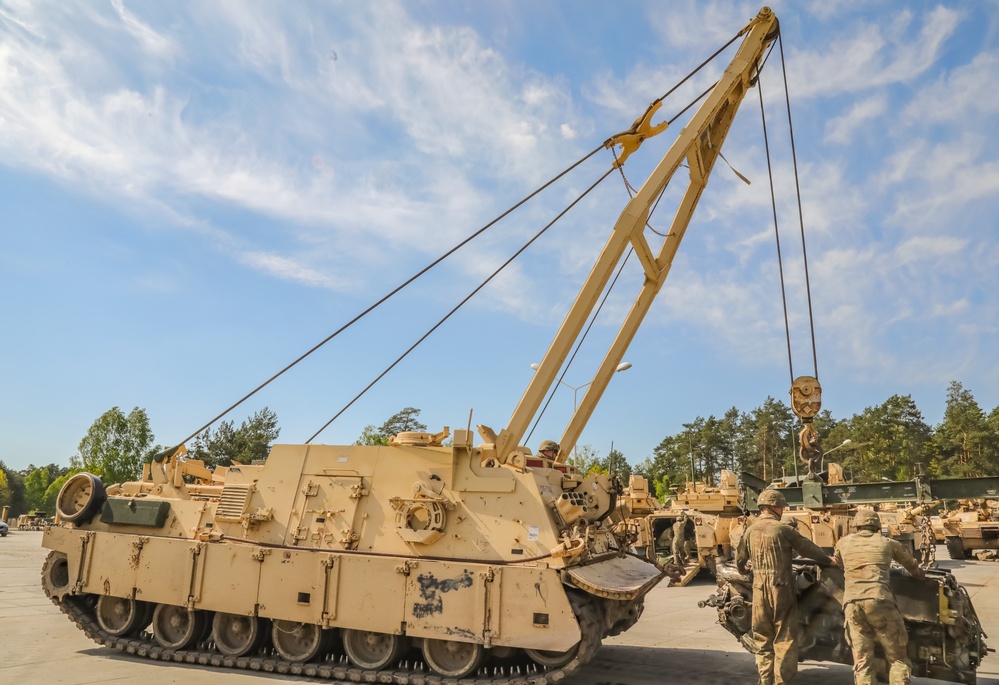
point(447, 254)
point(460, 304)
point(675, 117)
point(801, 218)
point(628, 187)
point(630, 190)
point(773, 204)
point(648, 225)
point(395, 291)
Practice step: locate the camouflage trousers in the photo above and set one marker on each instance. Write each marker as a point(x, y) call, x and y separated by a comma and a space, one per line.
point(870, 620)
point(679, 551)
point(775, 626)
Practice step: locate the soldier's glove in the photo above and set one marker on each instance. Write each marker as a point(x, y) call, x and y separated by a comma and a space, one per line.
point(920, 574)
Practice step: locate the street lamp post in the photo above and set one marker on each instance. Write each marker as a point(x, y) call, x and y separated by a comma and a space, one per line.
point(623, 366)
point(822, 464)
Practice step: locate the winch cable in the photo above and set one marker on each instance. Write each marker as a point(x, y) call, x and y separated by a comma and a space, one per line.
point(773, 204)
point(395, 291)
point(459, 305)
point(631, 190)
point(801, 218)
point(631, 193)
point(447, 254)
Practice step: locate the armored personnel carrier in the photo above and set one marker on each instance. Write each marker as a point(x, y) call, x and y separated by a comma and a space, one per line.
point(403, 563)
point(714, 522)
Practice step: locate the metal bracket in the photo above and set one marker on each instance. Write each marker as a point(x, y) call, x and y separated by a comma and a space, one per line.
point(633, 138)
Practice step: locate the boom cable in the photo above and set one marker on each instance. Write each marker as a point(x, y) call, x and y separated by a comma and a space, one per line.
point(773, 204)
point(458, 246)
point(393, 292)
point(459, 305)
point(801, 218)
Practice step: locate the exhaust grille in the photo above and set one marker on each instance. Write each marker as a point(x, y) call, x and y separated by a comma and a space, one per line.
point(233, 502)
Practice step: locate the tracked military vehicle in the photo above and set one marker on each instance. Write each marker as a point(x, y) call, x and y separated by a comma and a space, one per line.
point(946, 639)
point(400, 563)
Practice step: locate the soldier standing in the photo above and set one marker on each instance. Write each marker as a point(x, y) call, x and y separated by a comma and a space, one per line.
point(871, 611)
point(769, 546)
point(680, 540)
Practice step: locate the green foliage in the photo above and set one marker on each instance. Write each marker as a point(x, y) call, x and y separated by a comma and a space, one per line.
point(14, 494)
point(35, 484)
point(4, 489)
point(228, 444)
point(371, 436)
point(615, 463)
point(52, 491)
point(116, 445)
point(966, 445)
point(402, 421)
point(586, 460)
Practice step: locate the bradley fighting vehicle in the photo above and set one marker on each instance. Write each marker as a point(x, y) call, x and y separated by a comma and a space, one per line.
point(714, 521)
point(402, 562)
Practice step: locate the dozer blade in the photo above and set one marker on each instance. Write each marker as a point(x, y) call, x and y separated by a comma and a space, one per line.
point(621, 578)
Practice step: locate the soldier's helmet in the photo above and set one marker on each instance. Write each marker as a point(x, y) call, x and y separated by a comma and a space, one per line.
point(549, 445)
point(683, 516)
point(866, 518)
point(771, 498)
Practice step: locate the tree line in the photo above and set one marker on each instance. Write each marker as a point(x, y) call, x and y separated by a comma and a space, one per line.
point(883, 442)
point(117, 445)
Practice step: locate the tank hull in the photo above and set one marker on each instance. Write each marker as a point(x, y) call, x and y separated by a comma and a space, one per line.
point(356, 553)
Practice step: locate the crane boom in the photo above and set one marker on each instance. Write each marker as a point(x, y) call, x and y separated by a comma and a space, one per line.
point(699, 143)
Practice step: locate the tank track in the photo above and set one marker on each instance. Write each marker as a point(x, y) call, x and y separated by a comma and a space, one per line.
point(81, 613)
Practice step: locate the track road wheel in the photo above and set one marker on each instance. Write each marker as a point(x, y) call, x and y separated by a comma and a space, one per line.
point(452, 659)
point(120, 616)
point(374, 651)
point(177, 627)
point(551, 659)
point(55, 575)
point(955, 547)
point(237, 635)
point(298, 642)
point(80, 498)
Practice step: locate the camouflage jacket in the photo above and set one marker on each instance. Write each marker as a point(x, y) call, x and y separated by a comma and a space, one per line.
point(865, 558)
point(770, 545)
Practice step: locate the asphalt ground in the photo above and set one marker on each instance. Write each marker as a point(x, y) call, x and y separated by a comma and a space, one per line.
point(674, 642)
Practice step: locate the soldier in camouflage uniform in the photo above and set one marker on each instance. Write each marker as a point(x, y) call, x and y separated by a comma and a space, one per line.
point(680, 540)
point(769, 546)
point(871, 612)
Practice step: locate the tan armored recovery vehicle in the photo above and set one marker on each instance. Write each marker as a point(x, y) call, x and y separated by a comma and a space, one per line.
point(395, 563)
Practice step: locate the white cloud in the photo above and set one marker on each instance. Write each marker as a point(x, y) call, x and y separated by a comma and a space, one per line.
point(927, 248)
point(150, 40)
point(969, 90)
point(840, 129)
point(871, 55)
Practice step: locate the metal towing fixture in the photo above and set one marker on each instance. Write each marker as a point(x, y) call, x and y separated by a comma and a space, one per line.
point(946, 639)
point(402, 563)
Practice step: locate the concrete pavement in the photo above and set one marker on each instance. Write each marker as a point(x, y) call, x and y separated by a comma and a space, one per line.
point(674, 642)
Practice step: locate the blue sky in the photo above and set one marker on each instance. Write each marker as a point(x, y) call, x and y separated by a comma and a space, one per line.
point(193, 194)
